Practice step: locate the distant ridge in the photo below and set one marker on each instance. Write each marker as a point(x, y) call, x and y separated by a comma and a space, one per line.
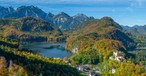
point(136, 30)
point(61, 20)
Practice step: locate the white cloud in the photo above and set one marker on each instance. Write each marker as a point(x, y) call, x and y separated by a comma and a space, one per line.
point(137, 3)
point(140, 2)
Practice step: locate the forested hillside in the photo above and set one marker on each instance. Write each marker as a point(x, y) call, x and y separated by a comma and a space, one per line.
point(95, 30)
point(103, 36)
point(30, 64)
point(104, 43)
point(29, 29)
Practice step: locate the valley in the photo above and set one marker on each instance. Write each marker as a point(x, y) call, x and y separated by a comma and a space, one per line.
point(36, 43)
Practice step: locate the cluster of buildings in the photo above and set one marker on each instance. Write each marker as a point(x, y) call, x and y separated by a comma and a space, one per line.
point(87, 70)
point(118, 57)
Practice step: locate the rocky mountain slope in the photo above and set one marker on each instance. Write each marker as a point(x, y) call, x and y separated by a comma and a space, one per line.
point(5, 11)
point(61, 20)
point(30, 11)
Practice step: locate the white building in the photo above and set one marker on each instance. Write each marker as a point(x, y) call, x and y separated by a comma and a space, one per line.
point(75, 50)
point(113, 70)
point(117, 56)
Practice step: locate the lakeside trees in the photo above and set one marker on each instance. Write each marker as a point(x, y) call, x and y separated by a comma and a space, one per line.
point(35, 64)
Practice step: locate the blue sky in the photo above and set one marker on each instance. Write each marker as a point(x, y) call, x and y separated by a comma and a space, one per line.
point(125, 12)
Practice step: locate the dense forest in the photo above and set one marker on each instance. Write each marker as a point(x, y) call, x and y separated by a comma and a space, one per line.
point(29, 29)
point(30, 64)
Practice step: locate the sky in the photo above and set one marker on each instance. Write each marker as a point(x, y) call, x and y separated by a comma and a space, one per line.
point(125, 12)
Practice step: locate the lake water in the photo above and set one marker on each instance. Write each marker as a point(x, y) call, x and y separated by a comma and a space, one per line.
point(54, 50)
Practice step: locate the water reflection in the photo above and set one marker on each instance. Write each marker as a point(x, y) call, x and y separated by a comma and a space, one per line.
point(55, 50)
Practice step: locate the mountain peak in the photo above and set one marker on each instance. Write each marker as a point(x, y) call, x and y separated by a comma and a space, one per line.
point(10, 7)
point(80, 14)
point(5, 10)
point(31, 11)
point(108, 21)
point(50, 14)
point(81, 17)
point(91, 17)
point(32, 6)
point(107, 18)
point(27, 7)
point(63, 13)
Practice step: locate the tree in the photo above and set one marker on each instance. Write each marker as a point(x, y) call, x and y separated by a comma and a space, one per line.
point(3, 65)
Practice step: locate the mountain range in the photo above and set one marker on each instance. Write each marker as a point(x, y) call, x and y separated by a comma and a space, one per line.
point(136, 30)
point(61, 20)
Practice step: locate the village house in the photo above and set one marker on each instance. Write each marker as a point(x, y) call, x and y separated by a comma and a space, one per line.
point(113, 70)
point(117, 56)
point(75, 50)
point(83, 68)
